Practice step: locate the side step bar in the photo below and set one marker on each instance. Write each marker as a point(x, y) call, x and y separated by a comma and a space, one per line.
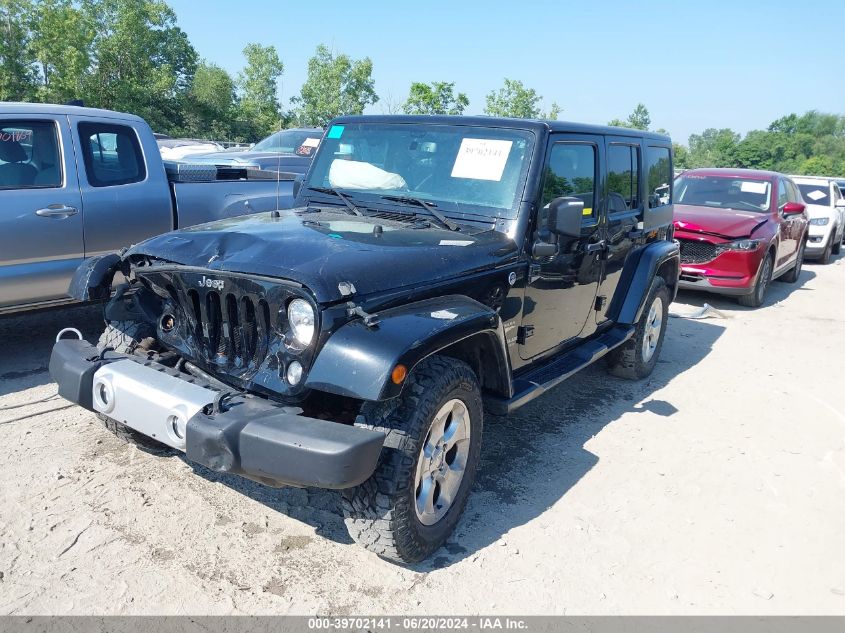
point(551, 373)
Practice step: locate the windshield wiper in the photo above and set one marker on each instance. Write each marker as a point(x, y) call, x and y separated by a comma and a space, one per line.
point(334, 192)
point(428, 206)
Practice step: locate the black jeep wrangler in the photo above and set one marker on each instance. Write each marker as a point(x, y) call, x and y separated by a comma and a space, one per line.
point(432, 268)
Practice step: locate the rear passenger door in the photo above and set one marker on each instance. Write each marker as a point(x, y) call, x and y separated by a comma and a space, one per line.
point(41, 230)
point(126, 201)
point(623, 206)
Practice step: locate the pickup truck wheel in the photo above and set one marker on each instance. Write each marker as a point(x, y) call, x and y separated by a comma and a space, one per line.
point(758, 295)
point(124, 337)
point(412, 502)
point(636, 358)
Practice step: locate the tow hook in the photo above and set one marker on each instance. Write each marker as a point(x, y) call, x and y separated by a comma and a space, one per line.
point(370, 320)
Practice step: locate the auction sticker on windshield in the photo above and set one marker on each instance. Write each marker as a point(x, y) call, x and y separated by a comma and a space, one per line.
point(749, 186)
point(481, 159)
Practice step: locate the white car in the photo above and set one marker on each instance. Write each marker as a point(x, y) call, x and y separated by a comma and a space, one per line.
point(826, 210)
point(180, 148)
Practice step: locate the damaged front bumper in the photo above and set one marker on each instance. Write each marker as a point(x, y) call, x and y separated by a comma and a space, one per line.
point(250, 436)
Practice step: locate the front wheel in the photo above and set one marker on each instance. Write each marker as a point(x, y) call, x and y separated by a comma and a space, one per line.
point(636, 358)
point(837, 242)
point(412, 502)
point(755, 299)
point(795, 272)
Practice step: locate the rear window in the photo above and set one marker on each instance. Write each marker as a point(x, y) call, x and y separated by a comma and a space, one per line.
point(112, 154)
point(816, 194)
point(29, 155)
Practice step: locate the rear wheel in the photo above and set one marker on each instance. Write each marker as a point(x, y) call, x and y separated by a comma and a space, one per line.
point(636, 358)
point(795, 272)
point(758, 295)
point(124, 337)
point(412, 502)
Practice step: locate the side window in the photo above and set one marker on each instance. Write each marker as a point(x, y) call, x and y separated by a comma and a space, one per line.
point(29, 155)
point(783, 193)
point(112, 154)
point(571, 171)
point(795, 193)
point(659, 174)
point(623, 168)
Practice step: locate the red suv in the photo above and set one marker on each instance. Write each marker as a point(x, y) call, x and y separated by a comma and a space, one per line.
point(738, 230)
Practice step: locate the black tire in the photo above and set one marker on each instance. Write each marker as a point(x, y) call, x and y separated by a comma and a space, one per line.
point(124, 337)
point(630, 360)
point(764, 278)
point(826, 253)
point(837, 244)
point(794, 273)
point(381, 514)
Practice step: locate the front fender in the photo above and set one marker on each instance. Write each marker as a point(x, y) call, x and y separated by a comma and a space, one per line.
point(357, 360)
point(93, 278)
point(640, 268)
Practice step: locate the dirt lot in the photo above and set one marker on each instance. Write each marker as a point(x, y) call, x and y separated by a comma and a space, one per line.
point(717, 486)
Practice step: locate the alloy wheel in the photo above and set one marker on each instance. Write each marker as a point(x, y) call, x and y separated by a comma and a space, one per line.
point(442, 462)
point(653, 326)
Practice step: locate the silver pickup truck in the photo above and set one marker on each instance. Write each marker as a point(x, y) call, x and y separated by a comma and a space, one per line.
point(77, 182)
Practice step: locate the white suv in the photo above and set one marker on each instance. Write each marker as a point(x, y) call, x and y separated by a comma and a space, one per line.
point(826, 210)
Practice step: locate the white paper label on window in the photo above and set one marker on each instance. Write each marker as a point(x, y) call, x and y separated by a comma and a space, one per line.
point(311, 142)
point(816, 195)
point(751, 186)
point(481, 159)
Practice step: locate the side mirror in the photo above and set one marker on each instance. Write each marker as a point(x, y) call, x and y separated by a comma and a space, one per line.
point(297, 184)
point(565, 216)
point(793, 208)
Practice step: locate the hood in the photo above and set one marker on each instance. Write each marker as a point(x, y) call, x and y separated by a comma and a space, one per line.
point(719, 222)
point(819, 211)
point(320, 250)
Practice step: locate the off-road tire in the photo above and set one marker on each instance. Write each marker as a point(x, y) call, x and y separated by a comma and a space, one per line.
point(380, 514)
point(124, 337)
point(792, 275)
point(628, 360)
point(758, 295)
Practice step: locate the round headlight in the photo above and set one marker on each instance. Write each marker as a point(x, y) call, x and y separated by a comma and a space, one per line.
point(301, 319)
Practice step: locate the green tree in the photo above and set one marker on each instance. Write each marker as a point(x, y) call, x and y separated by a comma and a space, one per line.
point(211, 104)
point(62, 39)
point(639, 119)
point(437, 97)
point(513, 99)
point(336, 85)
point(17, 62)
point(258, 85)
point(713, 148)
point(143, 62)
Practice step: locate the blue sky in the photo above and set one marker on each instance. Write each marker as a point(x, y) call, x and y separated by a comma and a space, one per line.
point(738, 64)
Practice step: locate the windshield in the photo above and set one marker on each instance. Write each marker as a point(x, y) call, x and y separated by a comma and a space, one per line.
point(302, 142)
point(467, 169)
point(816, 193)
point(723, 192)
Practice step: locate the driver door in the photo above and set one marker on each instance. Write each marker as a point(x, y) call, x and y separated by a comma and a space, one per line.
point(560, 296)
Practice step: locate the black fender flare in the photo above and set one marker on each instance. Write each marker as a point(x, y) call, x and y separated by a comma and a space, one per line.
point(640, 268)
point(357, 360)
point(93, 278)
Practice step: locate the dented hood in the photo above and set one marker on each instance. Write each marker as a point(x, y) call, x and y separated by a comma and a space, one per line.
point(320, 250)
point(720, 222)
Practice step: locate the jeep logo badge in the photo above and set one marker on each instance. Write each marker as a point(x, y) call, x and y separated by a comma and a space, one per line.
point(207, 282)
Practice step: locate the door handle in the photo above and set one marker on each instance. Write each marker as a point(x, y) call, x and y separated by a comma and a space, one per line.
point(57, 211)
point(598, 247)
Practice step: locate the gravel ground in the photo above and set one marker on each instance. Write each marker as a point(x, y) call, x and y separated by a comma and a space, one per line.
point(714, 487)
